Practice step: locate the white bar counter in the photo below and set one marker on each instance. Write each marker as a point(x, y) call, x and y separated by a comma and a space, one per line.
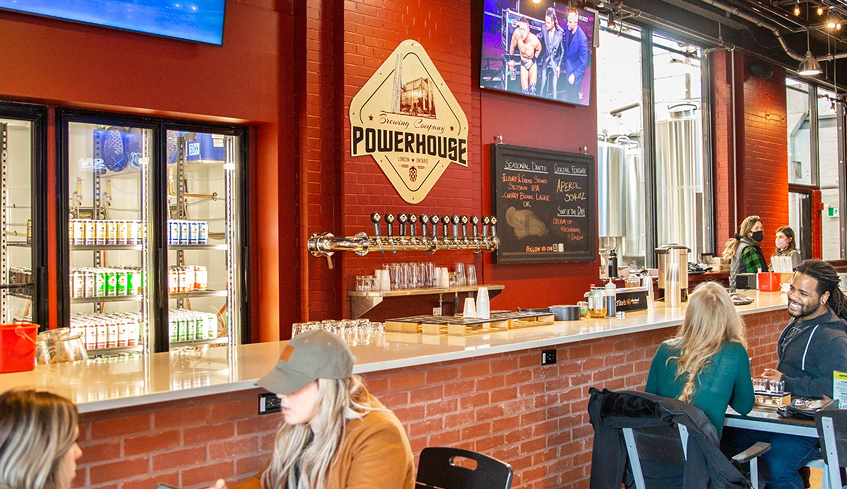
point(105, 385)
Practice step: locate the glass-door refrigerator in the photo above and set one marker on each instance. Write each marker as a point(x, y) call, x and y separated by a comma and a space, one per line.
point(205, 232)
point(153, 254)
point(23, 247)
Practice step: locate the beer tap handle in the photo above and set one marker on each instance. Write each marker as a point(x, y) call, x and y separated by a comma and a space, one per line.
point(474, 224)
point(445, 221)
point(464, 221)
point(435, 220)
point(389, 219)
point(375, 218)
point(402, 218)
point(493, 227)
point(424, 224)
point(413, 220)
point(485, 221)
point(456, 219)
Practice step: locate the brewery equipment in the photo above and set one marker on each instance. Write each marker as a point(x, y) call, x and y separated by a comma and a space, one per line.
point(673, 268)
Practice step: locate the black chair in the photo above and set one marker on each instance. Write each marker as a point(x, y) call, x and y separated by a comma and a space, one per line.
point(454, 468)
point(648, 441)
point(832, 432)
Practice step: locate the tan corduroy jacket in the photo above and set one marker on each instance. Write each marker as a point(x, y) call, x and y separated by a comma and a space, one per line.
point(375, 454)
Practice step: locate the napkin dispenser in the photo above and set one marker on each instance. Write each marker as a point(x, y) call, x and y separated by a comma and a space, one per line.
point(631, 299)
point(746, 281)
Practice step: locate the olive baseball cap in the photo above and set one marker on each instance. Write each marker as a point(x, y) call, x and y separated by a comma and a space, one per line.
point(307, 357)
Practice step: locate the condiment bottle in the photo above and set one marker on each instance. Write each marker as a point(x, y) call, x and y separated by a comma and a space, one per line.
point(613, 265)
point(611, 298)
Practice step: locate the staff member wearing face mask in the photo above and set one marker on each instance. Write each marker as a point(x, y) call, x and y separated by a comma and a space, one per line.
point(743, 250)
point(786, 245)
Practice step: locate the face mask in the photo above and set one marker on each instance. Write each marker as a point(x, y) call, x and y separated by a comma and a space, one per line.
point(758, 236)
point(782, 243)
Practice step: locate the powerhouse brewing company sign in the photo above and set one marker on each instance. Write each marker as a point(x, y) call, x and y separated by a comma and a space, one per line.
point(407, 118)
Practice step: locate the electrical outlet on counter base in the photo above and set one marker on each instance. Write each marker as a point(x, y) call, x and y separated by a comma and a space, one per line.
point(548, 357)
point(269, 403)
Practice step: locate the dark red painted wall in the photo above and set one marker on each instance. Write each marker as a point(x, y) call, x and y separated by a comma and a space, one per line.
point(248, 80)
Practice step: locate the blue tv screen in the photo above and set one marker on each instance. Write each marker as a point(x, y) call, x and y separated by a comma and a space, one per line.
point(193, 20)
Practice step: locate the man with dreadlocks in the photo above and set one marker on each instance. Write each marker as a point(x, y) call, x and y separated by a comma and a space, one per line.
point(811, 347)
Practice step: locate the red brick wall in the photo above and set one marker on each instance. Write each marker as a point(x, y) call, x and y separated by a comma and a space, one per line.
point(505, 405)
point(761, 149)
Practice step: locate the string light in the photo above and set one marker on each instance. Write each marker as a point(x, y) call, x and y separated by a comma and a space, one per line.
point(820, 10)
point(797, 8)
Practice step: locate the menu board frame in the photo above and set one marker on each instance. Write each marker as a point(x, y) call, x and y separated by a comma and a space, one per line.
point(545, 203)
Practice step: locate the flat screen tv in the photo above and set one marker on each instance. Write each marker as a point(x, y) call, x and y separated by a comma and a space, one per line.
point(193, 20)
point(538, 49)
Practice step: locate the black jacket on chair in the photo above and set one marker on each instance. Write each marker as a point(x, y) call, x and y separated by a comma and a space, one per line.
point(610, 411)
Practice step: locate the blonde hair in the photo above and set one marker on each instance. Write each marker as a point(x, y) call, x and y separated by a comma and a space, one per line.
point(36, 431)
point(746, 230)
point(710, 320)
point(297, 450)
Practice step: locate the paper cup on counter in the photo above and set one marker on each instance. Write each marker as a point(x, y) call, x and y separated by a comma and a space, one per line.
point(470, 308)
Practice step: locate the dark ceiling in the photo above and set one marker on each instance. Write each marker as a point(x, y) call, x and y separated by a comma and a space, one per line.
point(761, 28)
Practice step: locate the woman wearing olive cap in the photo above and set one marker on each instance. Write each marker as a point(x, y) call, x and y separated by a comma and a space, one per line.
point(335, 434)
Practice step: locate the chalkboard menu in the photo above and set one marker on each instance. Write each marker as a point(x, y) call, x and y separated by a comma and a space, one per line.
point(545, 205)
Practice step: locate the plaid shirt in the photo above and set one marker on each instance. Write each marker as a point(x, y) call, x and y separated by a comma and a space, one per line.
point(752, 260)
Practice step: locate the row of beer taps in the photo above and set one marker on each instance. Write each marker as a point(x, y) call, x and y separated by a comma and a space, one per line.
point(408, 239)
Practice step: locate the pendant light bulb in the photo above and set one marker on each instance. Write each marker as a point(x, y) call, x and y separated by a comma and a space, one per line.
point(820, 10)
point(809, 66)
point(797, 8)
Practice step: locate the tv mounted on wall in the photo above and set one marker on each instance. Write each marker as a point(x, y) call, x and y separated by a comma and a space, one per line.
point(539, 49)
point(193, 20)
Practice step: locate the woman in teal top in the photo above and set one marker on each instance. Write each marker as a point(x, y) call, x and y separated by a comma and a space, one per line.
point(706, 364)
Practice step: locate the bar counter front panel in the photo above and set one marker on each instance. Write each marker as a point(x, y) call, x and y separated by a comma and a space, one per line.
point(187, 419)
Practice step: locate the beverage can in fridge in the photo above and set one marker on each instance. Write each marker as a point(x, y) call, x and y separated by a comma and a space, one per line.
point(193, 232)
point(121, 282)
point(29, 231)
point(100, 232)
point(71, 231)
point(102, 333)
point(77, 283)
point(133, 282)
point(123, 232)
point(99, 282)
point(201, 278)
point(123, 327)
point(132, 332)
point(173, 280)
point(188, 279)
point(79, 232)
point(173, 232)
point(90, 283)
point(111, 232)
point(203, 233)
point(90, 232)
point(132, 232)
point(182, 328)
point(111, 282)
point(112, 333)
point(90, 335)
point(184, 232)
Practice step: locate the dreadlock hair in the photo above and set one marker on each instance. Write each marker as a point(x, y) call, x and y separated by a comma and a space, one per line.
point(828, 281)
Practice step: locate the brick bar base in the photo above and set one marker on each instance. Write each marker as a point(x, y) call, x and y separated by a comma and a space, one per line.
point(506, 405)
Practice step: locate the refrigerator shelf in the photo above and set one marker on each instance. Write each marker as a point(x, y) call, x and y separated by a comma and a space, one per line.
point(108, 298)
point(198, 293)
point(19, 244)
point(114, 351)
point(212, 341)
point(132, 247)
point(221, 247)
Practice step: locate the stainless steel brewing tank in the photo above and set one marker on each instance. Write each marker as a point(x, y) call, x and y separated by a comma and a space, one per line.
point(611, 168)
point(673, 253)
point(679, 187)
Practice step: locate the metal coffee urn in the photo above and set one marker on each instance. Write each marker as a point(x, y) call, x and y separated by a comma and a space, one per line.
point(669, 255)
